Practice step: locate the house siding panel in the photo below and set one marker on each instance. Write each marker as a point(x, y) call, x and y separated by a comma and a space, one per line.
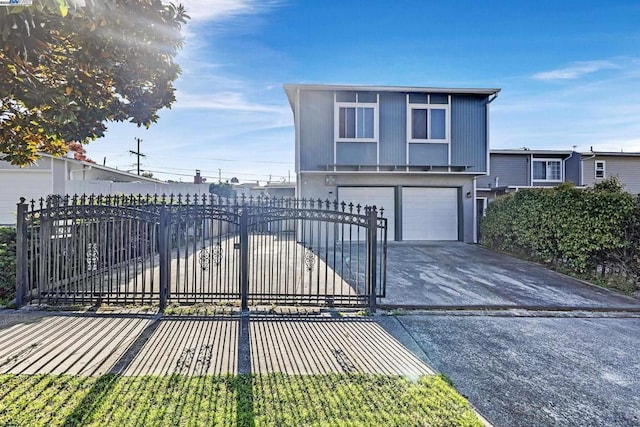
point(469, 132)
point(356, 153)
point(627, 169)
point(511, 170)
point(428, 154)
point(393, 124)
point(316, 129)
point(572, 169)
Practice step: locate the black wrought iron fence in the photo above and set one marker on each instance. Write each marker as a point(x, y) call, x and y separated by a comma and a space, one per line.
point(149, 249)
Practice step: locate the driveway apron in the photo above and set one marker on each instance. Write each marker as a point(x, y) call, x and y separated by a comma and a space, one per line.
point(454, 274)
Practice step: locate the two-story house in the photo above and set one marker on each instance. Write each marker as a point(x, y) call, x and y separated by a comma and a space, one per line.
point(414, 151)
point(511, 170)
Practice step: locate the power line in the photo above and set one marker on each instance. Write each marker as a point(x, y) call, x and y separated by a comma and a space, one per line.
point(138, 153)
point(215, 176)
point(231, 160)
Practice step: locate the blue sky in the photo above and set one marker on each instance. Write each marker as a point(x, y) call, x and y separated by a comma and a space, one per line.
point(569, 73)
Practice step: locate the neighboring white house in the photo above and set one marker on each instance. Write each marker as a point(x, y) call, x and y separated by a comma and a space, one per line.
point(63, 175)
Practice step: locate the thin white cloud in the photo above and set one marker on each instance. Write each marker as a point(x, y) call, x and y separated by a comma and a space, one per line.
point(215, 10)
point(576, 70)
point(225, 101)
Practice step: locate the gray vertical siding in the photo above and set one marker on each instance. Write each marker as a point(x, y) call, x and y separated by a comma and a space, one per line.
point(469, 132)
point(429, 154)
point(626, 169)
point(316, 129)
point(510, 169)
point(356, 153)
point(572, 169)
point(393, 128)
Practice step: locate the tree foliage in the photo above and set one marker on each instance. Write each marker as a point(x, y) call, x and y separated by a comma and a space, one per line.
point(7, 263)
point(582, 229)
point(69, 66)
point(222, 189)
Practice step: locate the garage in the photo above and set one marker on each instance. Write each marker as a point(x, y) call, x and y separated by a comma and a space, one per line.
point(381, 197)
point(429, 213)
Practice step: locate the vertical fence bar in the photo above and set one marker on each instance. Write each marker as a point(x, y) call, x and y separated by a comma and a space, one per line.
point(164, 258)
point(21, 252)
point(244, 258)
point(372, 255)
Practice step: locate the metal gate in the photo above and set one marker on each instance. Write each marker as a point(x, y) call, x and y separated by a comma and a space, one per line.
point(187, 249)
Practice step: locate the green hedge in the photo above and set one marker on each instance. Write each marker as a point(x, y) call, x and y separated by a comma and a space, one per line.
point(7, 263)
point(584, 230)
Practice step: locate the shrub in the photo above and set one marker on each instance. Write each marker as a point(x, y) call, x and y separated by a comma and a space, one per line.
point(583, 230)
point(7, 263)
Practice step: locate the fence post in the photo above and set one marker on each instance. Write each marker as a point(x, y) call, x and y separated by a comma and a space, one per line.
point(372, 254)
point(244, 258)
point(21, 252)
point(163, 248)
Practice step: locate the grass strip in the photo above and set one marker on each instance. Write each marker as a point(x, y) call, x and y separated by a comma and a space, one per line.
point(276, 400)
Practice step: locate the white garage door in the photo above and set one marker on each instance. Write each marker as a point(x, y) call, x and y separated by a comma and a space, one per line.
point(429, 213)
point(381, 197)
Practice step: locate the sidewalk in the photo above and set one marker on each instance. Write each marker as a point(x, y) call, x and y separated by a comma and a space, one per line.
point(142, 343)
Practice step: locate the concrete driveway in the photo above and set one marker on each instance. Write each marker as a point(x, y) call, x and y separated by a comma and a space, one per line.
point(454, 274)
point(525, 345)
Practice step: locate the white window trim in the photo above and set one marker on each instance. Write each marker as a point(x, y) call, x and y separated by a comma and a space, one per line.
point(336, 118)
point(429, 106)
point(537, 159)
point(596, 169)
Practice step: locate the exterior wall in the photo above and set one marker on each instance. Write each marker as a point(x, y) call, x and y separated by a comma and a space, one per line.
point(468, 140)
point(316, 129)
point(572, 169)
point(60, 172)
point(356, 153)
point(626, 168)
point(393, 128)
point(32, 183)
point(428, 154)
point(469, 144)
point(509, 169)
point(314, 185)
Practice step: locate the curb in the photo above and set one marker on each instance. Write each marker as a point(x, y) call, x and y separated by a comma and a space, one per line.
point(498, 307)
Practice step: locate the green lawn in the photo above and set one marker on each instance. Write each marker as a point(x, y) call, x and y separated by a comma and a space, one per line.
point(243, 400)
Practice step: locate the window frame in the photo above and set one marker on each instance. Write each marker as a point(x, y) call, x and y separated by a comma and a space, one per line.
point(547, 161)
point(429, 106)
point(602, 169)
point(357, 104)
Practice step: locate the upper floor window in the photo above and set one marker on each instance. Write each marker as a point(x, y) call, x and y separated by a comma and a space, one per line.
point(428, 118)
point(547, 170)
point(600, 169)
point(357, 119)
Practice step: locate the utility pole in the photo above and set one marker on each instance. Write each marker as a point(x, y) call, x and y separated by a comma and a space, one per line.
point(138, 153)
point(219, 175)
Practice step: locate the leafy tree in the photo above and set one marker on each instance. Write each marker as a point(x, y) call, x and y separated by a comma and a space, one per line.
point(147, 174)
point(79, 153)
point(222, 189)
point(69, 66)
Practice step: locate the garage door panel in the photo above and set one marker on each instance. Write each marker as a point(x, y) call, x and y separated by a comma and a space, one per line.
point(381, 197)
point(429, 213)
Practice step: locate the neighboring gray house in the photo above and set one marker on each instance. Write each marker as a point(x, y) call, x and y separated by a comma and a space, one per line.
point(511, 170)
point(414, 151)
point(596, 166)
